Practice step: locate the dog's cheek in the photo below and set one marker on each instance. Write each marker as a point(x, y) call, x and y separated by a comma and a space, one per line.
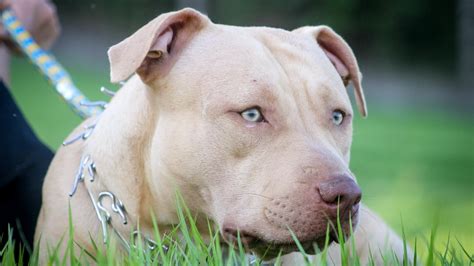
point(343, 141)
point(231, 139)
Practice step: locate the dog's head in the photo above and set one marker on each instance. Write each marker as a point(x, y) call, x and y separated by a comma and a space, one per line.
point(254, 124)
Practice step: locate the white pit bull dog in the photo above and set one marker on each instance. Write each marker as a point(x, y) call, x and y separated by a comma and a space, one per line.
point(252, 125)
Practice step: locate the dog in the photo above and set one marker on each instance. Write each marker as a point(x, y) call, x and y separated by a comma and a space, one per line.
point(252, 125)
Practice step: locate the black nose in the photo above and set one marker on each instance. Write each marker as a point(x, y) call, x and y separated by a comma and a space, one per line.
point(340, 191)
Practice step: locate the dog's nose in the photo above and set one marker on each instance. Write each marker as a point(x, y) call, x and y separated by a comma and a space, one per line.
point(340, 191)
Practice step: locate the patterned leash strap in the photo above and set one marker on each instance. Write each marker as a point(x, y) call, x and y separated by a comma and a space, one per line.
point(48, 66)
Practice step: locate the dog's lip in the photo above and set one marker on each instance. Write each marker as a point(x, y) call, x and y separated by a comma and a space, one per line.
point(268, 249)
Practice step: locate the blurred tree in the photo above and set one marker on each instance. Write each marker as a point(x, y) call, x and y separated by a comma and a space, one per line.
point(466, 44)
point(422, 31)
point(200, 5)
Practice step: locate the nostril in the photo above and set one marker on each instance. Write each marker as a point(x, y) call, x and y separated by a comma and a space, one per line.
point(358, 199)
point(328, 195)
point(339, 199)
point(341, 190)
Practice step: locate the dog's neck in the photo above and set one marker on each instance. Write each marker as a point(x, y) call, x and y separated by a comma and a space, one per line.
point(120, 148)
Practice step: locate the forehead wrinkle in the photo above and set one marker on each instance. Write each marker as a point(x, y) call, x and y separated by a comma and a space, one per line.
point(303, 103)
point(303, 111)
point(309, 93)
point(315, 88)
point(313, 101)
point(284, 87)
point(311, 104)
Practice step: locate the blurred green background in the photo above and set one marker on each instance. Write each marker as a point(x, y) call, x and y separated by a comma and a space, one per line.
point(414, 155)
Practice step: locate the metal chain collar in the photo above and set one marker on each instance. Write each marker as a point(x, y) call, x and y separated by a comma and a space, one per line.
point(105, 211)
point(87, 166)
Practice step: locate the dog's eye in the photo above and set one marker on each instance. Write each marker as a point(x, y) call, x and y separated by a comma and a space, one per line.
point(253, 115)
point(338, 117)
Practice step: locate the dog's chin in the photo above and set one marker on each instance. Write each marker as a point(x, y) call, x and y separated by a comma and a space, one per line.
point(268, 251)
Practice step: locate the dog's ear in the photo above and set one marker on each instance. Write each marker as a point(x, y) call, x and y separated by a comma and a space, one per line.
point(155, 46)
point(341, 56)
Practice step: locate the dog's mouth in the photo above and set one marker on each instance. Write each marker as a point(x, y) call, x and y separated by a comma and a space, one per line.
point(267, 250)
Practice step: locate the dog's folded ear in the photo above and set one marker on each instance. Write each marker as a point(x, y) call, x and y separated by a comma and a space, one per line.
point(155, 46)
point(341, 56)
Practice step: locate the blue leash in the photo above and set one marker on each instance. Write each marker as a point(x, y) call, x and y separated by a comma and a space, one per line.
point(48, 66)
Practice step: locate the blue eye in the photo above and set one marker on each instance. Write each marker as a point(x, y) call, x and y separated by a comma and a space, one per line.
point(252, 115)
point(338, 117)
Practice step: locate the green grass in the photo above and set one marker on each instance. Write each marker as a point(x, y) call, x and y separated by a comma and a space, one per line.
point(412, 163)
point(185, 246)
